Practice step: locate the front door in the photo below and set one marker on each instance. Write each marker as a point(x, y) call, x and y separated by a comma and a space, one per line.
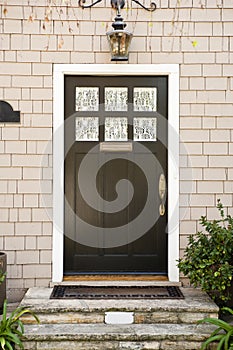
point(115, 175)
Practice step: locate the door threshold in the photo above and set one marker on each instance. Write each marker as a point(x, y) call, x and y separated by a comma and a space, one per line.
point(88, 278)
point(112, 280)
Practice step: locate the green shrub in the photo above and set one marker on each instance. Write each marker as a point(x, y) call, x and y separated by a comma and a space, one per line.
point(208, 257)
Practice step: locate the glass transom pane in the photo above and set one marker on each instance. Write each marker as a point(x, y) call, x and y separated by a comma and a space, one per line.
point(87, 99)
point(116, 99)
point(145, 129)
point(116, 129)
point(87, 129)
point(145, 99)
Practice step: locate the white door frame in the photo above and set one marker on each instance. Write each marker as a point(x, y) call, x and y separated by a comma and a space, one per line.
point(172, 71)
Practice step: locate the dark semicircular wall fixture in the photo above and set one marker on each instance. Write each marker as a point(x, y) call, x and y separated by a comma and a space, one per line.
point(7, 114)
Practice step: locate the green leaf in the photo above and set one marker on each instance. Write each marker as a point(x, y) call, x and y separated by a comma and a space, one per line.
point(228, 310)
point(194, 43)
point(227, 339)
point(210, 340)
point(9, 346)
point(216, 332)
point(2, 342)
point(215, 321)
point(220, 344)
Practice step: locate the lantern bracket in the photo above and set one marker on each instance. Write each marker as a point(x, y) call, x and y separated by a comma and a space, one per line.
point(118, 3)
point(152, 7)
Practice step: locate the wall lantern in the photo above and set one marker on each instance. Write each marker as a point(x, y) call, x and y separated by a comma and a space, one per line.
point(119, 38)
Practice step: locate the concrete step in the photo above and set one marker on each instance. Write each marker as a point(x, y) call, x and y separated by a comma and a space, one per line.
point(195, 306)
point(163, 324)
point(115, 337)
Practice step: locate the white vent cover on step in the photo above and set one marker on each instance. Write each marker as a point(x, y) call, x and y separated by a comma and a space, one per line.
point(119, 317)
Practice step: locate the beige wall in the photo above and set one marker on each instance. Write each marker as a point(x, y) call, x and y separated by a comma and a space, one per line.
point(199, 38)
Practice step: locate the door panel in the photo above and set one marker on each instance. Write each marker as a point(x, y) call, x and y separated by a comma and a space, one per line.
point(147, 253)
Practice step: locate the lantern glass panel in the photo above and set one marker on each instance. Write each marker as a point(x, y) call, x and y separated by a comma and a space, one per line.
point(119, 41)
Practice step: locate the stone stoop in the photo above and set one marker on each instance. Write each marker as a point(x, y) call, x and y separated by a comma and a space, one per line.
point(99, 324)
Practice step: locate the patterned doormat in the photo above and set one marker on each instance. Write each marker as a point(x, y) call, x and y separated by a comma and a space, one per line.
point(115, 292)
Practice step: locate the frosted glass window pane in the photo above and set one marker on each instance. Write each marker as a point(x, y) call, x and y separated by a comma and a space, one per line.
point(116, 99)
point(145, 129)
point(145, 99)
point(86, 129)
point(116, 129)
point(87, 99)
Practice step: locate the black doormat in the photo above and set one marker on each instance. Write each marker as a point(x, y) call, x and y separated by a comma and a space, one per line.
point(114, 292)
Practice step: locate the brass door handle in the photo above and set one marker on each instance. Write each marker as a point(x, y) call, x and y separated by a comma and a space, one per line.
point(162, 192)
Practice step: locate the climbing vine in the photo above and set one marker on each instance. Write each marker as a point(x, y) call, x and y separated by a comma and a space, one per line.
point(67, 12)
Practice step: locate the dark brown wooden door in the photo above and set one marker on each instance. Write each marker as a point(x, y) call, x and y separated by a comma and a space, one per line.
point(115, 175)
